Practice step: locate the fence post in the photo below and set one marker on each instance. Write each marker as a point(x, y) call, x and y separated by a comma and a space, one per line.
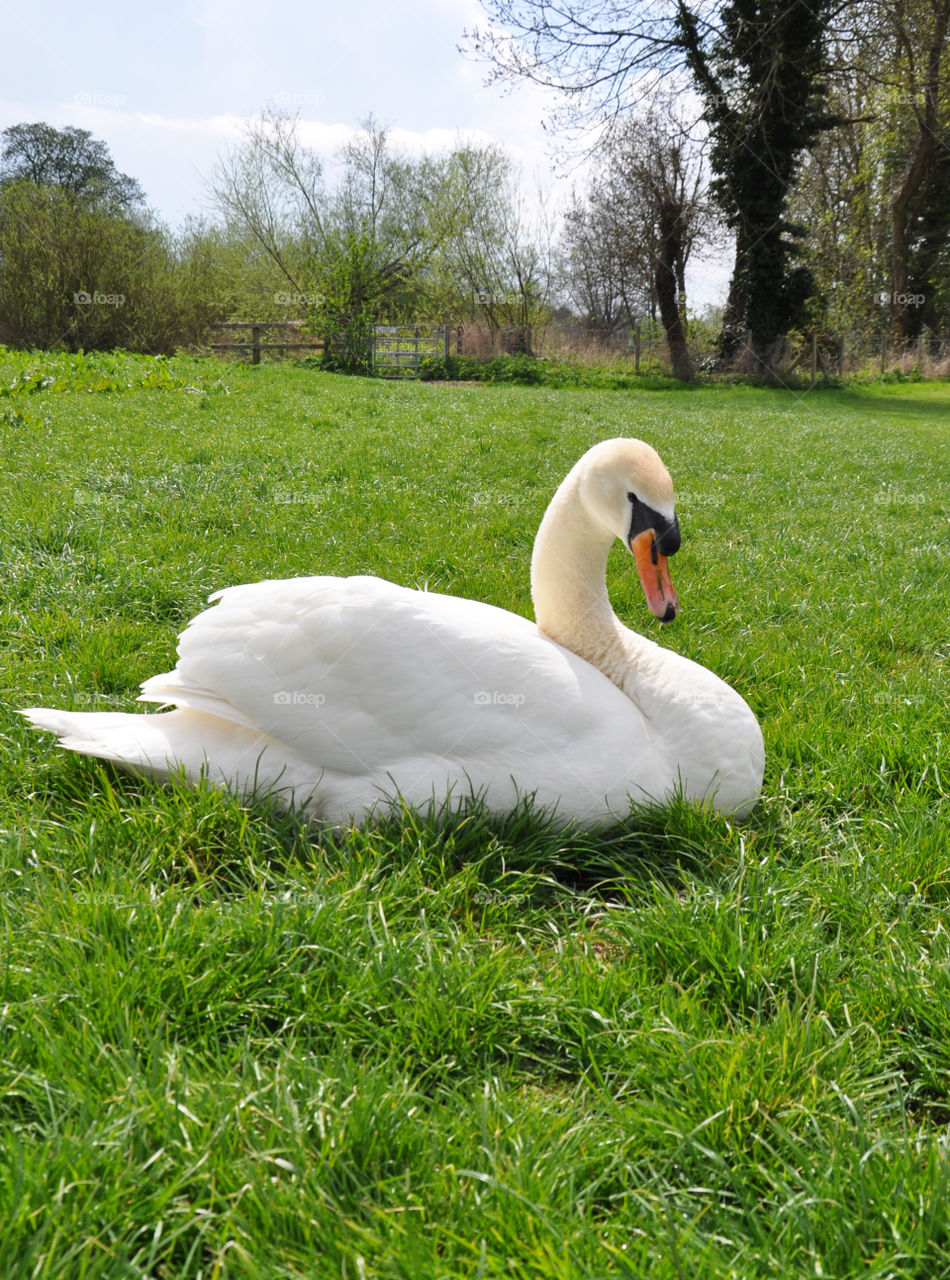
point(256, 344)
point(814, 358)
point(636, 347)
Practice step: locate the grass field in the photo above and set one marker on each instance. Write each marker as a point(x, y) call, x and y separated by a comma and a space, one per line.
point(460, 1046)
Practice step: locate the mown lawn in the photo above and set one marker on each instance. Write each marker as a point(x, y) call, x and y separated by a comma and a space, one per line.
point(450, 1045)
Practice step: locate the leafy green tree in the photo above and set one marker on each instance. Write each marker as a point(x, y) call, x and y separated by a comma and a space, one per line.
point(875, 193)
point(336, 259)
point(837, 195)
point(71, 160)
point(350, 292)
point(82, 265)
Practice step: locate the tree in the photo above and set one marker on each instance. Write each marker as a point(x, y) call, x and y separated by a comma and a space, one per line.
point(495, 264)
point(628, 243)
point(653, 177)
point(919, 220)
point(270, 192)
point(763, 82)
point(71, 160)
point(396, 203)
point(82, 264)
point(601, 278)
point(837, 196)
point(397, 233)
point(348, 256)
point(876, 191)
point(759, 67)
point(85, 279)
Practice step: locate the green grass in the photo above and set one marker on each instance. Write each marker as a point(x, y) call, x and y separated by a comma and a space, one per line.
point(450, 1045)
point(523, 370)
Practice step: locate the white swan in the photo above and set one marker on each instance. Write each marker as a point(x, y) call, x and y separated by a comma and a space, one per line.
point(340, 693)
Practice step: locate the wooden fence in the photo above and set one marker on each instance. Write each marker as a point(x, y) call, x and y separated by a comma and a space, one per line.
point(291, 338)
point(811, 357)
point(397, 351)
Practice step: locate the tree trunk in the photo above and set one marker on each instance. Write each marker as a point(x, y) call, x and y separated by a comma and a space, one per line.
point(669, 254)
point(903, 206)
point(906, 199)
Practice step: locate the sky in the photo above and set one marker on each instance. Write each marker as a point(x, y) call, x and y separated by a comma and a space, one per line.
point(167, 88)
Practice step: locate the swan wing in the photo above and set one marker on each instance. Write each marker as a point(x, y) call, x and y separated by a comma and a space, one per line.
point(375, 681)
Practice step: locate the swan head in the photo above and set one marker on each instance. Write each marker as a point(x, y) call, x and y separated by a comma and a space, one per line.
point(627, 489)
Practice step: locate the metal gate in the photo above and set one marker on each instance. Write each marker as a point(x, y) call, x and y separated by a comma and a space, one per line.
point(399, 349)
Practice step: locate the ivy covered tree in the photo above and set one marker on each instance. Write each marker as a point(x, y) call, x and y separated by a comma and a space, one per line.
point(763, 82)
point(760, 68)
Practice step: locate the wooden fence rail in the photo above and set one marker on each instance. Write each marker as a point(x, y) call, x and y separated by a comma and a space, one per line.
point(293, 338)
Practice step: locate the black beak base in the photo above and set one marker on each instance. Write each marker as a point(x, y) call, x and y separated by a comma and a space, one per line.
point(666, 532)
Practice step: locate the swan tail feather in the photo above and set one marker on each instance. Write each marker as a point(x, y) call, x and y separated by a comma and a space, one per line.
point(144, 742)
point(167, 743)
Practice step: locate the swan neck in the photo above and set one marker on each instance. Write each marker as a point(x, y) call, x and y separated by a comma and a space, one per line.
point(569, 575)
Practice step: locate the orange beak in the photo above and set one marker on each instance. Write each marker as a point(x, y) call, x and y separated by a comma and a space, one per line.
point(655, 576)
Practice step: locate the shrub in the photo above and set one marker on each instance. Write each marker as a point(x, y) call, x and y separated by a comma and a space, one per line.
point(93, 278)
point(525, 370)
